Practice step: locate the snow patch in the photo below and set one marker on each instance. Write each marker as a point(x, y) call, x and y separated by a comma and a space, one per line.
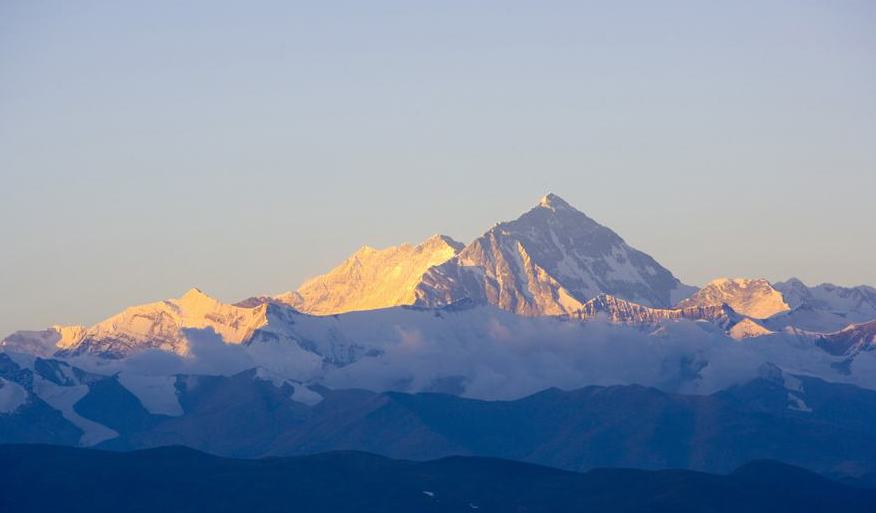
point(64, 399)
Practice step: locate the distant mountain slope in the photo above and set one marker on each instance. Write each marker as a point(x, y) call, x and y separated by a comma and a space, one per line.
point(753, 298)
point(174, 479)
point(549, 261)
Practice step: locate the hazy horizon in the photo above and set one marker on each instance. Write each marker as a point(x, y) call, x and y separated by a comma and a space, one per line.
point(146, 149)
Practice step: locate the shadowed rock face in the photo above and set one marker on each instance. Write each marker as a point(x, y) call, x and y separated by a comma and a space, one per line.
point(550, 261)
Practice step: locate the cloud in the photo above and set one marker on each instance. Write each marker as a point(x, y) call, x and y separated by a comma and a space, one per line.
point(510, 358)
point(208, 354)
point(507, 358)
point(489, 354)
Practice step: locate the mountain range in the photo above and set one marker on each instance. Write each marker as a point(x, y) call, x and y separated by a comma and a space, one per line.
point(553, 261)
point(521, 330)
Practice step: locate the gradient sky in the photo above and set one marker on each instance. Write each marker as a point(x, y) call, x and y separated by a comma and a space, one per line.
point(241, 147)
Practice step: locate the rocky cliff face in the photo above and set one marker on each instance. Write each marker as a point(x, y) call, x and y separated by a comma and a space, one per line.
point(549, 261)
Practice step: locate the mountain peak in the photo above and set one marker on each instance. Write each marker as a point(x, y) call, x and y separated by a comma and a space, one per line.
point(553, 202)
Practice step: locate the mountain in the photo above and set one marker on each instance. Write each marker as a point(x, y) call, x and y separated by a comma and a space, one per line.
point(371, 278)
point(752, 298)
point(305, 342)
point(549, 261)
point(156, 325)
point(42, 478)
point(824, 308)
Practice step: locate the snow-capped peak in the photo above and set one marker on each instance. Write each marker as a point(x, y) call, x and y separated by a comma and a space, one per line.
point(548, 261)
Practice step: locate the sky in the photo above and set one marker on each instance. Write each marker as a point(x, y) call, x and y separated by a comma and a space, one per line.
point(242, 147)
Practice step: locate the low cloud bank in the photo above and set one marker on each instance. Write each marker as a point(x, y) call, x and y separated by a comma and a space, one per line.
point(507, 357)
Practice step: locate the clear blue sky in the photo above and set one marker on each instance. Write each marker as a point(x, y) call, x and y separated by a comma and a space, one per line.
point(148, 147)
